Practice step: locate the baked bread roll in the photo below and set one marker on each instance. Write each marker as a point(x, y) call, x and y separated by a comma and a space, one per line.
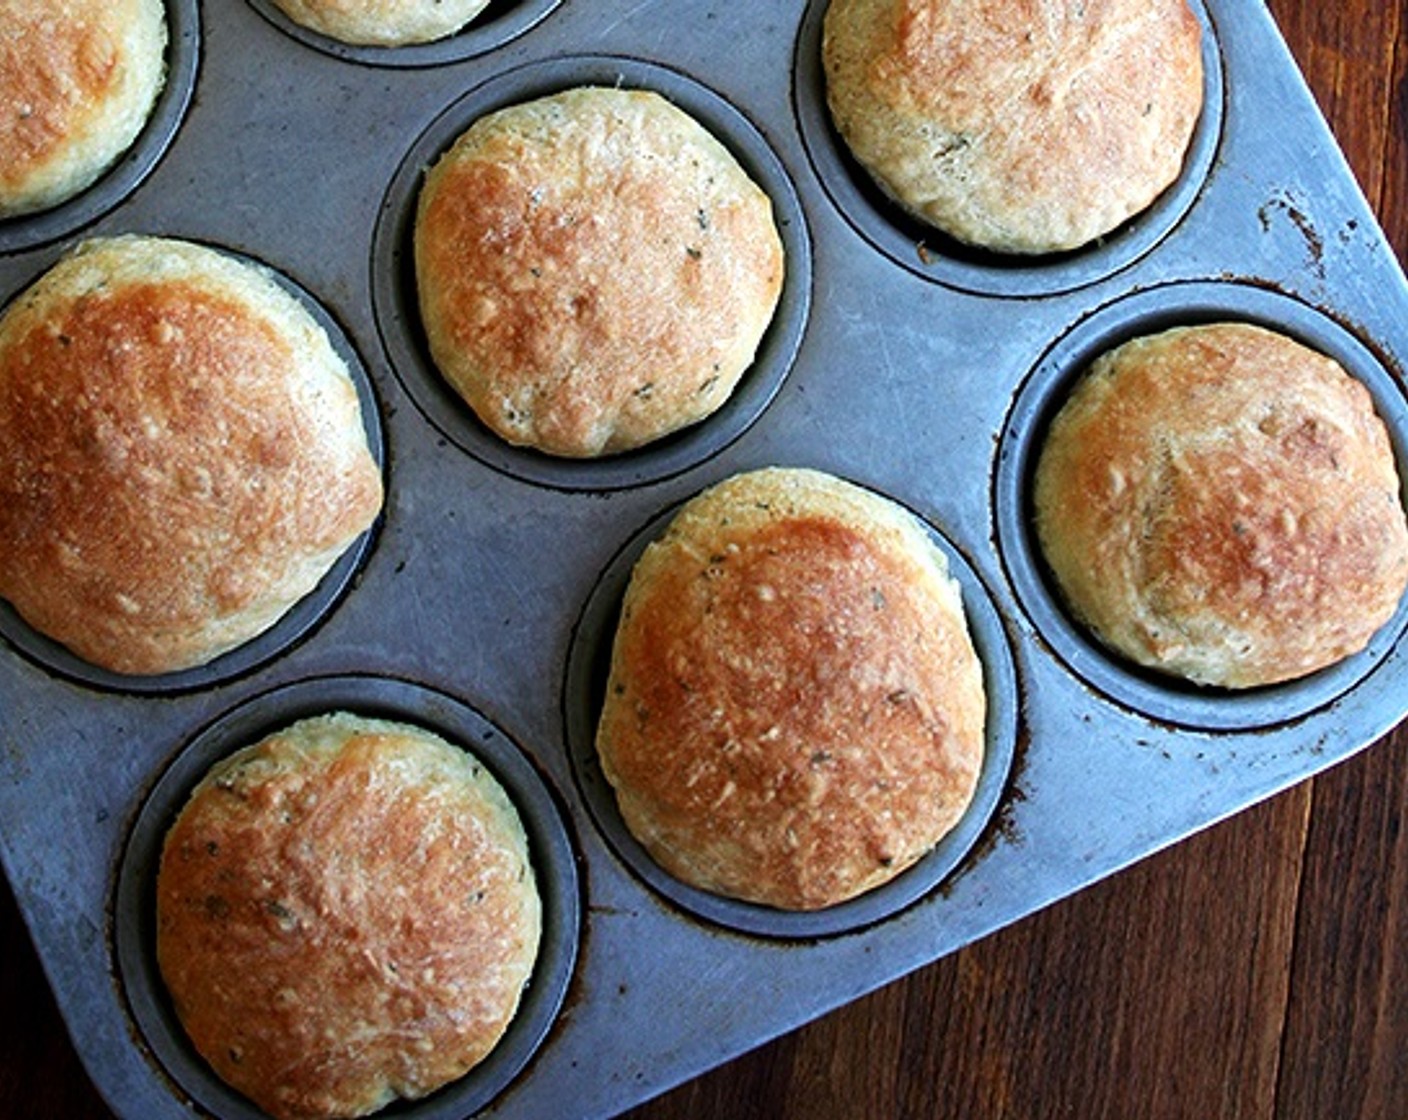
point(1018, 127)
point(346, 914)
point(182, 454)
point(78, 79)
point(795, 711)
point(1221, 503)
point(595, 270)
point(382, 23)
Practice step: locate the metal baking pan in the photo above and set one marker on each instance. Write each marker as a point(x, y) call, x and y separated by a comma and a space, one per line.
point(482, 603)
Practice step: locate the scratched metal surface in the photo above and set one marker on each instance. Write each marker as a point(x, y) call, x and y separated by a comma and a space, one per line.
point(481, 602)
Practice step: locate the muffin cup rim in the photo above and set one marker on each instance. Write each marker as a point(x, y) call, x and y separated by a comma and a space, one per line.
point(396, 307)
point(540, 806)
point(584, 683)
point(1165, 698)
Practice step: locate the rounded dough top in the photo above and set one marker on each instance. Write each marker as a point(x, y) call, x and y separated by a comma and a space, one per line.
point(595, 270)
point(795, 711)
point(383, 23)
point(1023, 126)
point(182, 454)
point(346, 914)
point(78, 79)
point(1221, 503)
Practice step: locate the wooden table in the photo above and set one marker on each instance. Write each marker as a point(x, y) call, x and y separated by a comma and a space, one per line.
point(1256, 970)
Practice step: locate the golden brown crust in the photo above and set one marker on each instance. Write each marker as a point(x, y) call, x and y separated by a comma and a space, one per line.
point(383, 23)
point(1026, 126)
point(595, 270)
point(346, 913)
point(1222, 503)
point(78, 79)
point(795, 711)
point(182, 455)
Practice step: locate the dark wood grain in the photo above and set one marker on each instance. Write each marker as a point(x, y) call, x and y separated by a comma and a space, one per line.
point(1159, 993)
point(1253, 971)
point(40, 1075)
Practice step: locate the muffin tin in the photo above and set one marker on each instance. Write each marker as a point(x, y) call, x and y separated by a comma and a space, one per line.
point(482, 603)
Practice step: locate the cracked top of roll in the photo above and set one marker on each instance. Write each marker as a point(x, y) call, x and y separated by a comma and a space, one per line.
point(182, 454)
point(1221, 503)
point(1022, 126)
point(795, 711)
point(595, 270)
